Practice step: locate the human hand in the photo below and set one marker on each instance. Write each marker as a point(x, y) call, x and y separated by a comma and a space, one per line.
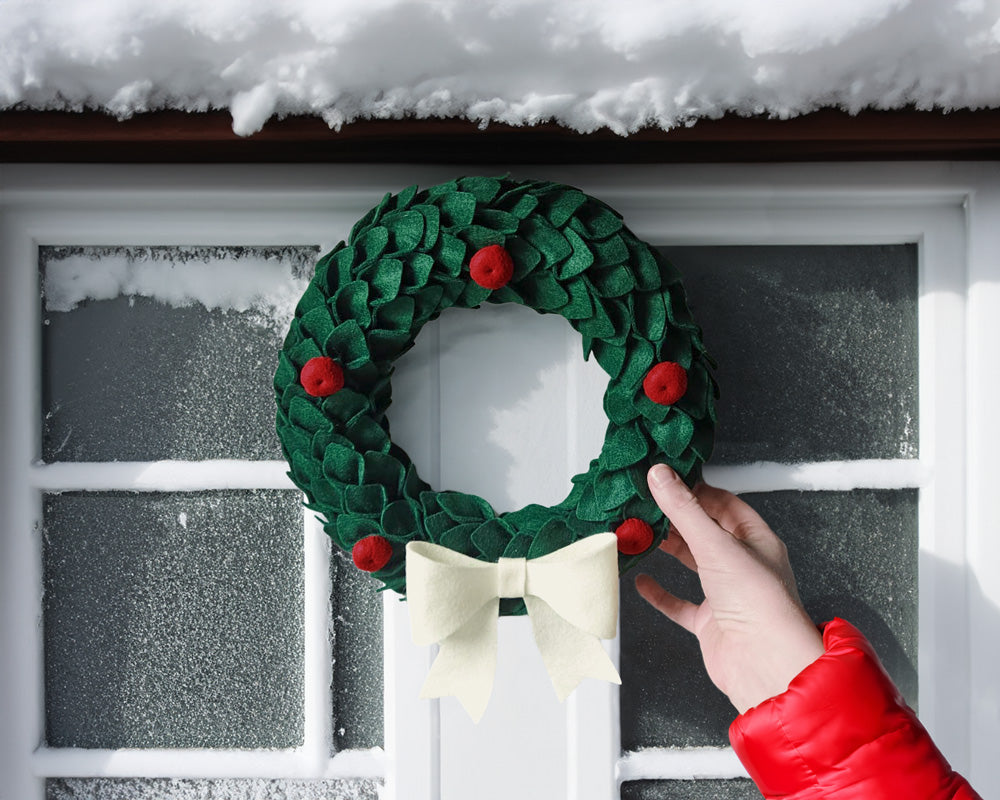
point(754, 634)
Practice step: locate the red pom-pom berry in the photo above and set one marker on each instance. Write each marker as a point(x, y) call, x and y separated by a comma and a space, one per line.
point(371, 553)
point(491, 267)
point(665, 383)
point(322, 376)
point(634, 536)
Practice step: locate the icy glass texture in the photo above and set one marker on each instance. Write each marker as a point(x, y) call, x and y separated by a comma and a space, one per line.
point(136, 379)
point(816, 346)
point(854, 556)
point(230, 789)
point(174, 620)
point(357, 656)
point(690, 790)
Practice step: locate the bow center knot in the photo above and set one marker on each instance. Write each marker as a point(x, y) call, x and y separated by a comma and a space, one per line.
point(512, 577)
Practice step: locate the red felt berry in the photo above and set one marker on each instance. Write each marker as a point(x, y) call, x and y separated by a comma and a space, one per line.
point(665, 383)
point(322, 376)
point(634, 536)
point(372, 553)
point(491, 267)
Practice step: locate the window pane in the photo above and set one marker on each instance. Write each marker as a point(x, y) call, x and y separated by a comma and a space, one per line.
point(690, 790)
point(357, 656)
point(231, 789)
point(816, 345)
point(155, 353)
point(174, 620)
point(854, 555)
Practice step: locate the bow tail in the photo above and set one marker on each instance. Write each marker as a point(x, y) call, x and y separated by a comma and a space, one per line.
point(570, 653)
point(467, 661)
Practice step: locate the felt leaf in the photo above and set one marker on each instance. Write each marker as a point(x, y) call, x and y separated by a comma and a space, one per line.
point(544, 292)
point(518, 547)
point(528, 519)
point(477, 237)
point(323, 439)
point(457, 210)
point(341, 265)
point(400, 519)
point(368, 499)
point(611, 357)
point(472, 295)
point(351, 529)
point(285, 373)
point(580, 306)
point(644, 508)
point(385, 470)
point(674, 434)
point(507, 294)
point(650, 315)
point(581, 259)
point(303, 413)
point(654, 412)
point(610, 252)
point(612, 281)
point(366, 434)
point(417, 270)
point(311, 299)
point(388, 345)
point(553, 536)
point(599, 326)
point(344, 405)
point(497, 220)
point(342, 464)
point(459, 539)
point(526, 258)
point(677, 310)
point(372, 216)
point(428, 304)
point(441, 190)
point(396, 315)
point(482, 189)
point(449, 253)
point(547, 240)
point(432, 223)
point(676, 348)
point(327, 497)
point(406, 229)
point(491, 539)
point(437, 524)
point(699, 385)
point(300, 353)
point(413, 486)
point(702, 441)
point(372, 243)
point(563, 206)
point(645, 268)
point(465, 507)
point(600, 220)
point(524, 206)
point(348, 342)
point(351, 302)
point(611, 489)
point(429, 503)
point(618, 404)
point(384, 279)
point(623, 447)
point(589, 508)
point(405, 197)
point(637, 364)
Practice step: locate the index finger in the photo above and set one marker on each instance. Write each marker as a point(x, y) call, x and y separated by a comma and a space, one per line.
point(705, 538)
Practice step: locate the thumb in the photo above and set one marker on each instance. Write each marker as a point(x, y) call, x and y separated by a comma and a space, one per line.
point(705, 538)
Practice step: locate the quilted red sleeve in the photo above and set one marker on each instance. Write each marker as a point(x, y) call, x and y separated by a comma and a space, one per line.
point(842, 731)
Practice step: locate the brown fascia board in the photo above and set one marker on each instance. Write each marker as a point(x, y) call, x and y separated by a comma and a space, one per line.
point(176, 136)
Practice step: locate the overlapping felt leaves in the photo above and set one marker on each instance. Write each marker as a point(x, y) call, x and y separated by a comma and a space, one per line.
point(407, 261)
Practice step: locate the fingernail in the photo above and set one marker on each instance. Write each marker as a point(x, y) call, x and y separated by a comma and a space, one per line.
point(661, 476)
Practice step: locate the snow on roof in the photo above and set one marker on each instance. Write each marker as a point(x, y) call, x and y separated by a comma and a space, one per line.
point(585, 64)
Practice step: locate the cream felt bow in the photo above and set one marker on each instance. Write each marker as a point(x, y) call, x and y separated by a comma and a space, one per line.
point(571, 596)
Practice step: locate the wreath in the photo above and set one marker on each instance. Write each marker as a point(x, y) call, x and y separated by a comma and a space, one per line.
point(477, 239)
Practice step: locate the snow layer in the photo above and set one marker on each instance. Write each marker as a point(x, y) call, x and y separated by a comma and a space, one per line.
point(583, 63)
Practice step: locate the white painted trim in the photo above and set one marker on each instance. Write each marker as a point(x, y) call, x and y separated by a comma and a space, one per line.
point(767, 476)
point(317, 652)
point(206, 764)
point(680, 764)
point(160, 476)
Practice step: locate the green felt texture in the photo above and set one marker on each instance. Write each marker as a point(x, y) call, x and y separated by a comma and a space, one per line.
point(405, 262)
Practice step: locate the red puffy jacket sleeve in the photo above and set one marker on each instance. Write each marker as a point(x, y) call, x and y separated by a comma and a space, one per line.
point(842, 731)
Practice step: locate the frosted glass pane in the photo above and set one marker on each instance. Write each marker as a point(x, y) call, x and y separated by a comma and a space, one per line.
point(854, 555)
point(357, 656)
point(690, 790)
point(231, 789)
point(173, 620)
point(176, 361)
point(816, 345)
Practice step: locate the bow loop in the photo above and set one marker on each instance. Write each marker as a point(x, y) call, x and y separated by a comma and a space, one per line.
point(571, 596)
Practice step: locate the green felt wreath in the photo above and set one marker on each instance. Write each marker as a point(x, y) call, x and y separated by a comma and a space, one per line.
point(408, 260)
